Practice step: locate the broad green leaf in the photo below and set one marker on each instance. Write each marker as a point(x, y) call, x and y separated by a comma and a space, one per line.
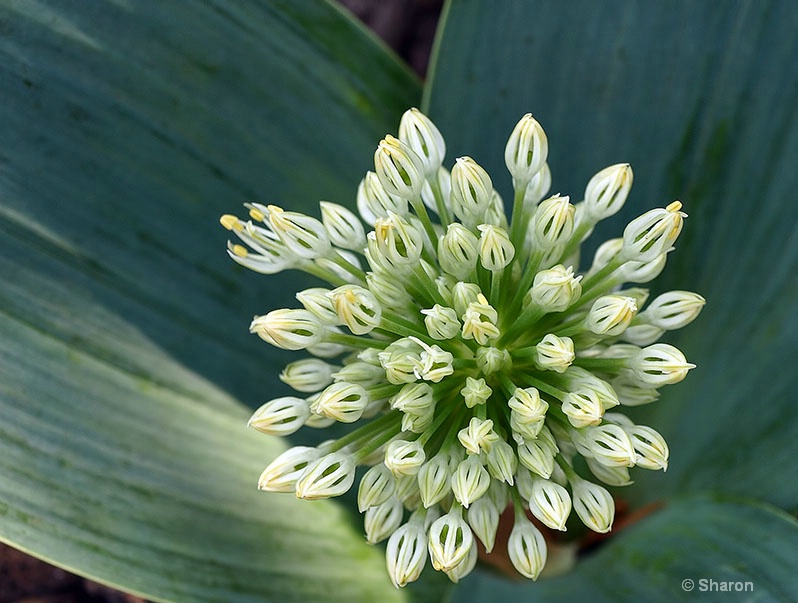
point(694, 539)
point(700, 98)
point(127, 129)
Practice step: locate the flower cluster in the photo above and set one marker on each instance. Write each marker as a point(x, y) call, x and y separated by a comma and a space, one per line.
point(480, 362)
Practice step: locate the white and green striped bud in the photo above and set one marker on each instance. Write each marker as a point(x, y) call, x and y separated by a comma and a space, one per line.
point(435, 480)
point(526, 150)
point(653, 233)
point(458, 251)
point(304, 236)
point(491, 360)
point(527, 548)
point(389, 291)
point(383, 519)
point(464, 294)
point(450, 539)
point(404, 457)
point(414, 398)
point(466, 566)
point(374, 202)
point(537, 456)
point(612, 476)
point(360, 373)
point(376, 486)
point(495, 249)
point(554, 353)
point(501, 461)
point(607, 191)
point(400, 170)
point(288, 329)
point(420, 134)
point(593, 504)
point(357, 308)
point(550, 503)
point(651, 448)
point(317, 301)
point(470, 480)
point(659, 364)
point(582, 408)
point(281, 416)
point(434, 362)
point(343, 227)
point(479, 321)
point(441, 322)
point(344, 402)
point(283, 472)
point(555, 289)
point(475, 392)
point(471, 191)
point(553, 222)
point(673, 310)
point(608, 444)
point(406, 553)
point(610, 315)
point(395, 244)
point(538, 187)
point(331, 475)
point(483, 517)
point(527, 412)
point(633, 395)
point(308, 376)
point(477, 436)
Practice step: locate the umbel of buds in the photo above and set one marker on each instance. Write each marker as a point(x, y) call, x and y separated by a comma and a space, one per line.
point(472, 359)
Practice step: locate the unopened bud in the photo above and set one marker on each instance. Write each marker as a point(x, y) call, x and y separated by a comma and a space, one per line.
point(526, 149)
point(343, 227)
point(399, 169)
point(331, 475)
point(281, 416)
point(458, 251)
point(288, 329)
point(526, 548)
point(421, 135)
point(471, 191)
point(607, 191)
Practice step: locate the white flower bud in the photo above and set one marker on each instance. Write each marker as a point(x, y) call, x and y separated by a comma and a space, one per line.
point(642, 334)
point(605, 253)
point(434, 363)
point(555, 353)
point(475, 392)
point(458, 251)
point(527, 412)
point(450, 539)
point(413, 397)
point(582, 408)
point(343, 227)
point(501, 461)
point(397, 242)
point(308, 375)
point(288, 329)
point(383, 519)
point(444, 285)
point(495, 213)
point(478, 436)
point(526, 149)
point(283, 472)
point(471, 191)
point(612, 476)
point(673, 310)
point(406, 553)
point(404, 457)
point(421, 135)
point(470, 480)
point(642, 272)
point(491, 360)
point(316, 301)
point(326, 349)
point(555, 289)
point(610, 315)
point(303, 235)
point(578, 378)
point(553, 222)
point(444, 179)
point(434, 480)
point(360, 373)
point(389, 291)
point(376, 486)
point(466, 566)
point(357, 308)
point(527, 548)
point(659, 364)
point(483, 517)
point(281, 416)
point(650, 446)
point(653, 233)
point(550, 503)
point(464, 294)
point(418, 421)
point(633, 395)
point(374, 202)
point(399, 169)
point(495, 249)
point(479, 321)
point(344, 402)
point(441, 322)
point(407, 491)
point(498, 493)
point(537, 456)
point(607, 191)
point(593, 504)
point(538, 187)
point(331, 475)
point(400, 365)
point(608, 444)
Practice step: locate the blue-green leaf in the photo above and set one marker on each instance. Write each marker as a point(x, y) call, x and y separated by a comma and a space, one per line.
point(674, 555)
point(700, 98)
point(127, 129)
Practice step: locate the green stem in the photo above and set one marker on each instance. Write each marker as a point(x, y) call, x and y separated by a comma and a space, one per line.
point(440, 202)
point(517, 225)
point(355, 341)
